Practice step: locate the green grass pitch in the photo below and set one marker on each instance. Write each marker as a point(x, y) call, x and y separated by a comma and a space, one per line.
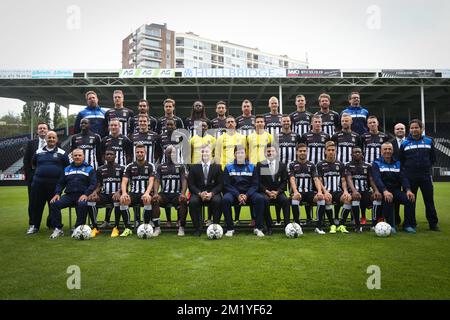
point(244, 267)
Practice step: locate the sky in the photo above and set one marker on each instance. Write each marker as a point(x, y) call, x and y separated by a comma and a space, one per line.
point(345, 34)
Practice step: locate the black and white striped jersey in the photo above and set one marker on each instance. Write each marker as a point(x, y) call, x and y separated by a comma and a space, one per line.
point(345, 141)
point(151, 142)
point(139, 175)
point(189, 125)
point(124, 115)
point(90, 144)
point(372, 145)
point(360, 173)
point(315, 143)
point(179, 141)
point(301, 122)
point(121, 145)
point(287, 143)
point(170, 176)
point(330, 122)
point(304, 174)
point(245, 125)
point(331, 174)
point(110, 178)
point(161, 124)
point(151, 123)
point(219, 125)
point(273, 123)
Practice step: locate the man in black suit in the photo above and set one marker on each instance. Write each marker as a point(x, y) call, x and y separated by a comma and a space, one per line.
point(272, 184)
point(205, 184)
point(400, 133)
point(32, 146)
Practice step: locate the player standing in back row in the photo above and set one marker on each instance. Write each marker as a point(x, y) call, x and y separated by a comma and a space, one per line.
point(301, 119)
point(273, 118)
point(124, 115)
point(330, 118)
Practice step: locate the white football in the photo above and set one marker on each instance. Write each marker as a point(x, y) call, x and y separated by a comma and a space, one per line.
point(383, 229)
point(293, 230)
point(214, 231)
point(145, 231)
point(82, 232)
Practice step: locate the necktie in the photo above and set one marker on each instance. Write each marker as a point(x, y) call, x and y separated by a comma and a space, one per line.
point(41, 143)
point(205, 172)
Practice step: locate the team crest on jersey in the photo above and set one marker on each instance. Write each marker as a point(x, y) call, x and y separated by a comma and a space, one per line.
point(337, 168)
point(353, 139)
point(146, 170)
point(55, 155)
point(91, 140)
point(120, 142)
point(177, 170)
point(117, 173)
point(293, 139)
point(332, 118)
point(365, 171)
point(322, 139)
point(381, 140)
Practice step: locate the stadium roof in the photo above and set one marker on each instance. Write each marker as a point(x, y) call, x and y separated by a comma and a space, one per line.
point(381, 90)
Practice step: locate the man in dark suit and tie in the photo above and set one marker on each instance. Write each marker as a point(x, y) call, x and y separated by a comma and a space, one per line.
point(32, 146)
point(272, 184)
point(400, 133)
point(205, 184)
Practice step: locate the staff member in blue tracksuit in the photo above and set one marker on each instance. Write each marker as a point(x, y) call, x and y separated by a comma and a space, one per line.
point(95, 114)
point(417, 156)
point(389, 180)
point(79, 181)
point(240, 181)
point(49, 163)
point(358, 113)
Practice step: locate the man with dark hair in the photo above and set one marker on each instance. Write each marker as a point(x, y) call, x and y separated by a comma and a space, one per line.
point(245, 123)
point(30, 150)
point(89, 142)
point(78, 180)
point(390, 178)
point(95, 114)
point(358, 113)
point(144, 109)
point(315, 140)
point(49, 163)
point(119, 112)
point(417, 156)
point(272, 184)
point(198, 114)
point(148, 138)
point(300, 118)
point(139, 175)
point(205, 184)
point(109, 179)
point(330, 119)
point(172, 137)
point(118, 142)
point(240, 182)
point(372, 140)
point(305, 185)
point(258, 140)
point(172, 179)
point(219, 123)
point(169, 113)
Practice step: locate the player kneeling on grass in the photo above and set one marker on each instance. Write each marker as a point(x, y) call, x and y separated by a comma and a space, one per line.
point(172, 179)
point(331, 174)
point(109, 178)
point(78, 180)
point(139, 175)
point(304, 182)
point(390, 179)
point(359, 181)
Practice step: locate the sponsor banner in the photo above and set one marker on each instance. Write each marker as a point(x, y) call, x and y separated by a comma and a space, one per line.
point(321, 73)
point(389, 73)
point(12, 176)
point(233, 73)
point(445, 73)
point(147, 73)
point(36, 74)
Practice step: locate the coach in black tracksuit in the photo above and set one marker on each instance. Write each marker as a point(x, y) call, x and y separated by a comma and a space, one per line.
point(205, 184)
point(272, 184)
point(417, 156)
point(49, 163)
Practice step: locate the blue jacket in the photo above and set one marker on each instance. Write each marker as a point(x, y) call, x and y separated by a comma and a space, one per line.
point(240, 179)
point(77, 179)
point(97, 121)
point(49, 165)
point(389, 176)
point(359, 117)
point(417, 156)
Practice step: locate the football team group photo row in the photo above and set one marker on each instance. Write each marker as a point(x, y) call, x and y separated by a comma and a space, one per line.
point(346, 174)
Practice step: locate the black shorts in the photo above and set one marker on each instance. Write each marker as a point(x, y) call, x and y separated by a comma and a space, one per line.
point(105, 199)
point(168, 198)
point(136, 199)
point(336, 196)
point(307, 197)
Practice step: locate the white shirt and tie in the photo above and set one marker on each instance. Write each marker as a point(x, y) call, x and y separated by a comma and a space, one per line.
point(206, 170)
point(272, 167)
point(399, 141)
point(42, 143)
